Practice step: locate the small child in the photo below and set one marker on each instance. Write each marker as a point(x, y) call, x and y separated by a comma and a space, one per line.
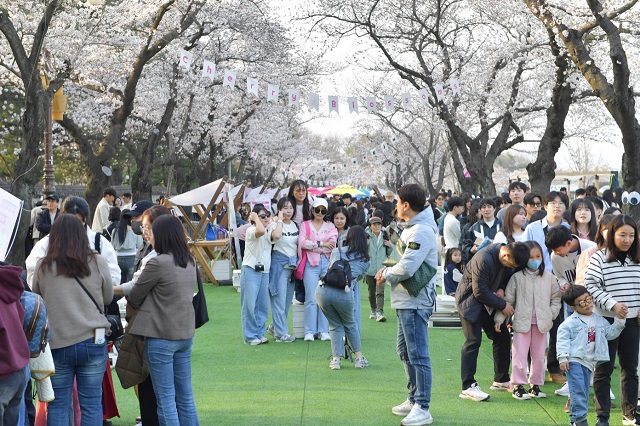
point(453, 270)
point(581, 346)
point(535, 296)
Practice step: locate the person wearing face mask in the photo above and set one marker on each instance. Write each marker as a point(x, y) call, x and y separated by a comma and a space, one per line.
point(535, 297)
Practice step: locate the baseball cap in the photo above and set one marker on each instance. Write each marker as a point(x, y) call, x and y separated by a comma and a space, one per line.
point(374, 219)
point(53, 197)
point(320, 202)
point(138, 208)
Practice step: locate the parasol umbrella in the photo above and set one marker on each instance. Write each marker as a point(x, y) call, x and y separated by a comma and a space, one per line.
point(343, 189)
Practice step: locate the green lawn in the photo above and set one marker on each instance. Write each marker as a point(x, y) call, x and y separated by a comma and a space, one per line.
point(291, 384)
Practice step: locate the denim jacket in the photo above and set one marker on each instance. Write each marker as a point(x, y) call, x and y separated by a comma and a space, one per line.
point(572, 338)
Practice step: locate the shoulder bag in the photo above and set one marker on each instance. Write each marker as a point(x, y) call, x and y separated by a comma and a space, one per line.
point(114, 320)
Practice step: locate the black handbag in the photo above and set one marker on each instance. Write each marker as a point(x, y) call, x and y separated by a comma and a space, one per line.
point(114, 320)
point(200, 304)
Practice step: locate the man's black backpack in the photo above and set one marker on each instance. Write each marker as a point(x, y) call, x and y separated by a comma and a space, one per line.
point(339, 274)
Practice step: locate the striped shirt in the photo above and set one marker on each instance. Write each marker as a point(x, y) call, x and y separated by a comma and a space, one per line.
point(612, 282)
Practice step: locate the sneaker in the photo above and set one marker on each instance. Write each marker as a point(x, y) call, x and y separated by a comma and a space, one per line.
point(271, 330)
point(285, 338)
point(602, 421)
point(263, 340)
point(501, 386)
point(567, 406)
point(334, 364)
point(325, 337)
point(361, 362)
point(297, 302)
point(581, 422)
point(380, 317)
point(474, 393)
point(563, 391)
point(520, 393)
point(253, 342)
point(535, 392)
point(611, 395)
point(417, 417)
point(403, 409)
point(557, 378)
point(372, 315)
point(309, 337)
point(629, 421)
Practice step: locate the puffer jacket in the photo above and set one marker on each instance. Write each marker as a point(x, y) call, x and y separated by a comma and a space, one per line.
point(378, 252)
point(525, 288)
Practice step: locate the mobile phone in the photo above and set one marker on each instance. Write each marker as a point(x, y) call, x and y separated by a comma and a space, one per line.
point(98, 337)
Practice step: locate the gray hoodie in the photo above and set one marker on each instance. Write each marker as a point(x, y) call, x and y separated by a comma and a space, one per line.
point(419, 235)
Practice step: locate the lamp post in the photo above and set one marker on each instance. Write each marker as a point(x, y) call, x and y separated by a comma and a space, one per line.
point(54, 111)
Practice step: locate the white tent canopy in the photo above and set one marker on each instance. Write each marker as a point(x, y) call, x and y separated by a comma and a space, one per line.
point(202, 195)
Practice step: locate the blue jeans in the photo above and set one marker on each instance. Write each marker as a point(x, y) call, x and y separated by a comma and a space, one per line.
point(280, 302)
point(11, 397)
point(126, 268)
point(86, 362)
point(170, 368)
point(23, 415)
point(314, 319)
point(355, 289)
point(579, 378)
point(413, 348)
point(254, 302)
point(337, 305)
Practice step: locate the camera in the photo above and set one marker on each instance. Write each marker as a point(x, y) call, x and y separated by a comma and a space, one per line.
point(259, 267)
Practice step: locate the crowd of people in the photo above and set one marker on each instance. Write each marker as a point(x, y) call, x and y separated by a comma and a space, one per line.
point(542, 277)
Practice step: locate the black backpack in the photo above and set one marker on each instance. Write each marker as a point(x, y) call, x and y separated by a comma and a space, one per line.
point(339, 274)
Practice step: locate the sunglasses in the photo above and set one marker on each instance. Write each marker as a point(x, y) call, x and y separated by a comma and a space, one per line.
point(583, 303)
point(535, 204)
point(319, 210)
point(264, 215)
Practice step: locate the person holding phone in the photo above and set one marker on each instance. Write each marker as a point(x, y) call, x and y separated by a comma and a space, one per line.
point(254, 278)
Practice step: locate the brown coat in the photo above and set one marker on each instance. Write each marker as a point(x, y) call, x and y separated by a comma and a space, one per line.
point(164, 293)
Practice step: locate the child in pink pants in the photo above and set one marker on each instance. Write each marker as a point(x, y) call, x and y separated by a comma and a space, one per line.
point(535, 296)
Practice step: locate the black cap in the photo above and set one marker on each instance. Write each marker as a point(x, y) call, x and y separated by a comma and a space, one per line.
point(53, 197)
point(138, 208)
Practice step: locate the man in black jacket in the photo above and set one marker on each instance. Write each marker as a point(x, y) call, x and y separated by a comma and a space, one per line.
point(479, 295)
point(45, 218)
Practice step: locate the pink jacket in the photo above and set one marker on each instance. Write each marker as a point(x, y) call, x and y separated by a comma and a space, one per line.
point(309, 241)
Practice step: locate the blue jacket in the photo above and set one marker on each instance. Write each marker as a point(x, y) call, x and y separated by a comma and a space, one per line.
point(358, 265)
point(572, 338)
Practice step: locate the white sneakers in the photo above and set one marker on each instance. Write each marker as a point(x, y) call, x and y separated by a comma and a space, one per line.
point(418, 416)
point(403, 409)
point(309, 337)
point(501, 386)
point(474, 393)
point(325, 337)
point(563, 391)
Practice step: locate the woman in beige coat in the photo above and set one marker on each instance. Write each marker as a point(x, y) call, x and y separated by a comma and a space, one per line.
point(535, 296)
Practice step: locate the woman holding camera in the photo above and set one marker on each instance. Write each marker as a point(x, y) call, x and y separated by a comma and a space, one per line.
point(254, 279)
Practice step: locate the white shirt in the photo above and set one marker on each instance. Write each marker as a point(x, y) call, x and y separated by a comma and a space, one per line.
point(106, 250)
point(257, 249)
point(101, 216)
point(451, 231)
point(288, 242)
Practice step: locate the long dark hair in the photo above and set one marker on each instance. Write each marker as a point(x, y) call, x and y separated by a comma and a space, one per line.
point(593, 223)
point(618, 222)
point(169, 238)
point(448, 260)
point(507, 227)
point(356, 242)
point(605, 220)
point(122, 225)
point(68, 248)
point(306, 206)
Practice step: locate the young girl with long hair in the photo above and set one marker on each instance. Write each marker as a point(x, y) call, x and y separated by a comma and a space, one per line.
point(453, 269)
point(515, 219)
point(583, 219)
point(535, 296)
point(613, 280)
point(338, 304)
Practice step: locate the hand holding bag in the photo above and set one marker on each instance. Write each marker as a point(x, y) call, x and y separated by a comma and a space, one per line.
point(419, 279)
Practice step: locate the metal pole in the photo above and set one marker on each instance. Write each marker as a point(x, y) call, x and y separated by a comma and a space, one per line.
point(48, 185)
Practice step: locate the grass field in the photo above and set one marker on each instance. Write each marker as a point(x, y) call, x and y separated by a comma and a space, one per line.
point(291, 384)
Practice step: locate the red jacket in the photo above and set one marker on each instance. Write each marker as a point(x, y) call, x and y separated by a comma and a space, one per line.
point(14, 349)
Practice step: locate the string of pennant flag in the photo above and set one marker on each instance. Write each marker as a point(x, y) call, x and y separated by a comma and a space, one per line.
point(313, 99)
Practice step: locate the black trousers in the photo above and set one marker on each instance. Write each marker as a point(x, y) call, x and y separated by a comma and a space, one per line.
point(148, 403)
point(626, 345)
point(473, 338)
point(553, 366)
